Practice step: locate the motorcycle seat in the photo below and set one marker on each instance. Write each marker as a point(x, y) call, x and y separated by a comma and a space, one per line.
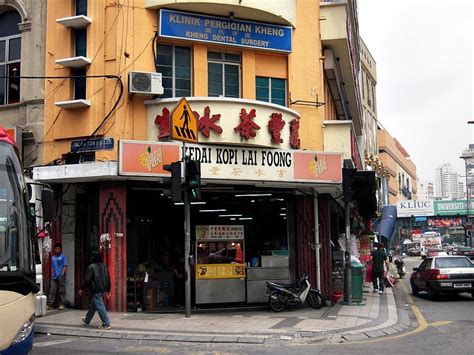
point(279, 285)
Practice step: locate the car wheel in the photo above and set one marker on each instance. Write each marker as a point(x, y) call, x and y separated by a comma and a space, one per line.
point(414, 289)
point(432, 294)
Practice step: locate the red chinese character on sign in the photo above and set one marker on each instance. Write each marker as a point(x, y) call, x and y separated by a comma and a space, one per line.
point(163, 123)
point(247, 127)
point(207, 122)
point(295, 134)
point(275, 125)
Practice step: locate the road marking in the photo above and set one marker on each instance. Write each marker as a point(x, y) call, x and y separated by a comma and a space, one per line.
point(51, 342)
point(422, 323)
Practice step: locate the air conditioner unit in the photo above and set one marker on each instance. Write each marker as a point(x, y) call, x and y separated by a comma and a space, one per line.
point(145, 83)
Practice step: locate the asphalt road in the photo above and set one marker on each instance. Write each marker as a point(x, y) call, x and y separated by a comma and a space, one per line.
point(449, 329)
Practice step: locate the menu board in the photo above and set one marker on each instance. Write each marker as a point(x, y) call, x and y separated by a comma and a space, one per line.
point(220, 232)
point(220, 271)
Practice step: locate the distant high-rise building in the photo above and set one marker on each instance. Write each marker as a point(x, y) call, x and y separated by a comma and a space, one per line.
point(425, 190)
point(448, 183)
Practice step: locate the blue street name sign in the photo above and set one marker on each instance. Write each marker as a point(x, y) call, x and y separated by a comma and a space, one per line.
point(221, 30)
point(92, 145)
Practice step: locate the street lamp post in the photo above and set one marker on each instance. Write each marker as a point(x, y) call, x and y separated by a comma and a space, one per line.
point(468, 157)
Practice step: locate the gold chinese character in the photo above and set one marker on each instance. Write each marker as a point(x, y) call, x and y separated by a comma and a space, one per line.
point(259, 172)
point(215, 170)
point(281, 172)
point(236, 171)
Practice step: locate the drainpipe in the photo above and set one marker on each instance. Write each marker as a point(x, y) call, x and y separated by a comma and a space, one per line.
point(316, 240)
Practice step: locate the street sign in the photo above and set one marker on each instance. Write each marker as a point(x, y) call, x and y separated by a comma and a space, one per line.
point(183, 125)
point(91, 145)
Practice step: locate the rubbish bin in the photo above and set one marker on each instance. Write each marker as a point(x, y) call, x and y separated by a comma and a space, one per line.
point(357, 281)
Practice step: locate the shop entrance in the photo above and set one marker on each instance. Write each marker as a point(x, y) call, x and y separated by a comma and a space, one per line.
point(155, 244)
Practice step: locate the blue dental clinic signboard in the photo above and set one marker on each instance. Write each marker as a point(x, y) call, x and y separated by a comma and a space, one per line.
point(221, 30)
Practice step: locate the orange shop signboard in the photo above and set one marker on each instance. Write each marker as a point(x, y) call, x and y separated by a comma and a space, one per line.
point(139, 158)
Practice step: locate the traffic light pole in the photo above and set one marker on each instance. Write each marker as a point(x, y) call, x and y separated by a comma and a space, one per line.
point(187, 241)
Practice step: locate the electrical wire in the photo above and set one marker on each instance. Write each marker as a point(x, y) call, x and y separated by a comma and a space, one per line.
point(107, 76)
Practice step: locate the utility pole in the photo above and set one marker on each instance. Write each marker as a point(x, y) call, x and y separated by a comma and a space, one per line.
point(347, 181)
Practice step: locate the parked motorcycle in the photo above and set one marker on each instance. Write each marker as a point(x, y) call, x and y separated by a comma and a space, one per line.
point(400, 267)
point(282, 296)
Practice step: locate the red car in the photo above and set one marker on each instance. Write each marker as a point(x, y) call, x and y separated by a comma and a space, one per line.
point(443, 274)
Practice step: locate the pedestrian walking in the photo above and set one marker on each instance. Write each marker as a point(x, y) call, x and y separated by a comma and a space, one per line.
point(58, 277)
point(379, 258)
point(97, 281)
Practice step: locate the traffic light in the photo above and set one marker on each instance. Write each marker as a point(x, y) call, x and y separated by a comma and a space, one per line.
point(175, 169)
point(193, 180)
point(347, 180)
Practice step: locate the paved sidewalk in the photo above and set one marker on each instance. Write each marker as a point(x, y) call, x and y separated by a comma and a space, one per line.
point(378, 316)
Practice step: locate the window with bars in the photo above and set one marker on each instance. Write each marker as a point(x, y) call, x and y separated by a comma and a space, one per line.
point(10, 57)
point(174, 64)
point(223, 74)
point(271, 90)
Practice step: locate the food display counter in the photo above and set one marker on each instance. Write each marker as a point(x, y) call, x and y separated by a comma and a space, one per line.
point(220, 269)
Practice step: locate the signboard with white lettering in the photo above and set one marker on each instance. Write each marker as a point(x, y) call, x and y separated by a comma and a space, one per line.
point(453, 208)
point(92, 145)
point(415, 208)
point(222, 30)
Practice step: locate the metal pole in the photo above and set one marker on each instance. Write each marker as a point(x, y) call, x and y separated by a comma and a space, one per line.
point(347, 255)
point(467, 202)
point(316, 240)
point(187, 242)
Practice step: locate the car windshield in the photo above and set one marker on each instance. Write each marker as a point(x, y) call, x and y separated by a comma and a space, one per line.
point(14, 239)
point(442, 263)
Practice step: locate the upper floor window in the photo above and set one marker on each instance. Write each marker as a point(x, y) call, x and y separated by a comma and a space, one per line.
point(10, 57)
point(223, 74)
point(174, 64)
point(271, 90)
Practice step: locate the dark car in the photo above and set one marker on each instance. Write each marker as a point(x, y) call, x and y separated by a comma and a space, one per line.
point(465, 251)
point(414, 252)
point(443, 274)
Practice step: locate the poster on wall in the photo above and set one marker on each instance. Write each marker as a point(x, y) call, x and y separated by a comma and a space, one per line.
point(219, 232)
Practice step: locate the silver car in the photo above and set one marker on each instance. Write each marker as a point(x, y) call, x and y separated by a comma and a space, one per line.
point(443, 274)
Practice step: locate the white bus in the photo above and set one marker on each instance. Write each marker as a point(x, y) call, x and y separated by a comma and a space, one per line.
point(18, 286)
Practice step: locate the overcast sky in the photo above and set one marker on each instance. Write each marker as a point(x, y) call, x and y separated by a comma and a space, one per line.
point(424, 55)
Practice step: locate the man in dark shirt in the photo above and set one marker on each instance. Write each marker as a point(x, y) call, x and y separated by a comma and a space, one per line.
point(97, 281)
point(378, 258)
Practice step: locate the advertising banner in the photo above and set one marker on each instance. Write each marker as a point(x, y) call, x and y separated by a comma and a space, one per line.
point(453, 208)
point(220, 271)
point(415, 208)
point(220, 232)
point(223, 30)
point(232, 163)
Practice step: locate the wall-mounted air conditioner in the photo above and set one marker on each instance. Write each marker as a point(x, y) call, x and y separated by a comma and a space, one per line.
point(145, 83)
